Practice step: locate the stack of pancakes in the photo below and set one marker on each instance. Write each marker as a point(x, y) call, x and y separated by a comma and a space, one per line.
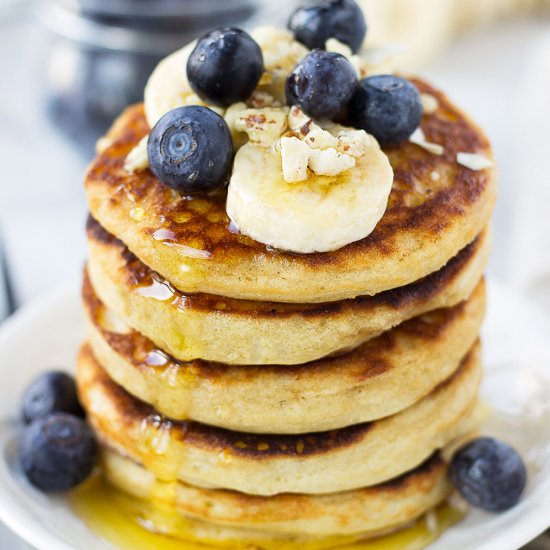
point(255, 394)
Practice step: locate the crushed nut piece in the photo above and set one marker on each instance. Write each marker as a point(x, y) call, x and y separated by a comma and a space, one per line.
point(418, 138)
point(297, 119)
point(354, 142)
point(474, 161)
point(329, 162)
point(263, 126)
point(259, 100)
point(317, 138)
point(429, 103)
point(330, 150)
point(295, 157)
point(137, 159)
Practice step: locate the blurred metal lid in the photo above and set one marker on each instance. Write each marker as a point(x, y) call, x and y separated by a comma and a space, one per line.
point(154, 27)
point(159, 8)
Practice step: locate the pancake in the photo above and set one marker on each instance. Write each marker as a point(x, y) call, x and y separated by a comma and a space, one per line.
point(269, 464)
point(331, 393)
point(242, 332)
point(223, 515)
point(189, 240)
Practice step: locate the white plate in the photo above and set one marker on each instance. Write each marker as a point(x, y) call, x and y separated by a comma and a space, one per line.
point(47, 334)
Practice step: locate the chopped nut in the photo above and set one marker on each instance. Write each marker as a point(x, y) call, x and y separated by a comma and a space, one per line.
point(137, 159)
point(434, 176)
point(233, 113)
point(263, 126)
point(295, 157)
point(354, 142)
point(474, 161)
point(329, 150)
point(329, 162)
point(318, 138)
point(419, 139)
point(281, 53)
point(429, 103)
point(260, 99)
point(297, 118)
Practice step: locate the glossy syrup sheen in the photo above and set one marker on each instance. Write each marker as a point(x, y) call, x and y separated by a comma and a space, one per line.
point(128, 524)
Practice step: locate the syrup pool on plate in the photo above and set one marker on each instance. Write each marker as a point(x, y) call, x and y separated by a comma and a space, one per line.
point(128, 524)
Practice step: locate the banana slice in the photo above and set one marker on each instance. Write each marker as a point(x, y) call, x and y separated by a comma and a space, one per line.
point(318, 214)
point(168, 87)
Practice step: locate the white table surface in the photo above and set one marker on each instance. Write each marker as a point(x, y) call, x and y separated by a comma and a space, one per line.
point(42, 207)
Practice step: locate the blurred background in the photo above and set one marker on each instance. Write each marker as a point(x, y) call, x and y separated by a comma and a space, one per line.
point(68, 67)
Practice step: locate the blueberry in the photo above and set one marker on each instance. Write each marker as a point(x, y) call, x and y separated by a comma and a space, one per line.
point(313, 25)
point(225, 66)
point(321, 84)
point(386, 106)
point(58, 452)
point(51, 392)
point(489, 474)
point(190, 149)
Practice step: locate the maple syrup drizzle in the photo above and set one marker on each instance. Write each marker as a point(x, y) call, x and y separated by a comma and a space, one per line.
point(131, 524)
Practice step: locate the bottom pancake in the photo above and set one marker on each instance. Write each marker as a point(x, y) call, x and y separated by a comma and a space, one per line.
point(270, 464)
point(180, 509)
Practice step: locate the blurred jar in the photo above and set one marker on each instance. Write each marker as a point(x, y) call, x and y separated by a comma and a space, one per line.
point(104, 50)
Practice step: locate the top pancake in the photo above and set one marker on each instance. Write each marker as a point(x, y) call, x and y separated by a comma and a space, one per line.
point(190, 242)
